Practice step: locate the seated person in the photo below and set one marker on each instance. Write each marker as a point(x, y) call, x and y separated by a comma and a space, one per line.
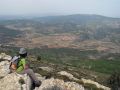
point(22, 67)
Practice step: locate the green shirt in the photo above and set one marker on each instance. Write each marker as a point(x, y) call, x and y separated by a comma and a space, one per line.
point(21, 65)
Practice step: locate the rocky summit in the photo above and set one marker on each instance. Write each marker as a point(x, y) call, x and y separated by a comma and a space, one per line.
point(14, 81)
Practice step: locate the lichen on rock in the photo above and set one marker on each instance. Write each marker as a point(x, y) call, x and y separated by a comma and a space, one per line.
point(12, 82)
point(4, 68)
point(57, 84)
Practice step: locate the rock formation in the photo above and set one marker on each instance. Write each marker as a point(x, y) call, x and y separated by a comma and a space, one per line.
point(70, 76)
point(14, 81)
point(5, 57)
point(57, 84)
point(4, 68)
point(84, 81)
point(95, 84)
point(48, 69)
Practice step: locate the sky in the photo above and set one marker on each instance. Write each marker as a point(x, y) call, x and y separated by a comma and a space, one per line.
point(109, 8)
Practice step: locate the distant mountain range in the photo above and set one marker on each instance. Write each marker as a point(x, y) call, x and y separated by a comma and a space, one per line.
point(12, 17)
point(86, 46)
point(74, 31)
point(77, 17)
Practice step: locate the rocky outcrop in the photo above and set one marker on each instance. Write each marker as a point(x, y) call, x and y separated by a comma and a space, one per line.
point(15, 81)
point(84, 81)
point(95, 84)
point(57, 84)
point(41, 78)
point(5, 57)
point(4, 68)
point(70, 76)
point(48, 69)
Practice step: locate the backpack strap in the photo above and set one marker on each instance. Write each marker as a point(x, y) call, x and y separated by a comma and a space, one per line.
point(19, 59)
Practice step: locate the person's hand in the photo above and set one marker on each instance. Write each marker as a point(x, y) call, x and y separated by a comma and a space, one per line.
point(26, 66)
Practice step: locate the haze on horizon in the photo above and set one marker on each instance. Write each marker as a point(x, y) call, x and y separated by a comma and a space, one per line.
point(59, 7)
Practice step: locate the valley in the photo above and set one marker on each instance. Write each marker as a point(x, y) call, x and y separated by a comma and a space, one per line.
point(88, 45)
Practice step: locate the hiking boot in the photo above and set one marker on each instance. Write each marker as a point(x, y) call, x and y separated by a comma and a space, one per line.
point(37, 84)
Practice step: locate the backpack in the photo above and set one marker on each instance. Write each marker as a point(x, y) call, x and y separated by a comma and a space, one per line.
point(14, 62)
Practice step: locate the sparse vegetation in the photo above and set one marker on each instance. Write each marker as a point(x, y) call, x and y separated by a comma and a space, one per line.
point(79, 59)
point(39, 58)
point(114, 81)
point(69, 43)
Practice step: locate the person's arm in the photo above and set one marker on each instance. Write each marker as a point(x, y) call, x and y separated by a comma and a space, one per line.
point(24, 64)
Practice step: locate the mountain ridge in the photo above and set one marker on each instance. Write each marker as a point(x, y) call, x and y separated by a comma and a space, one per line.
point(10, 17)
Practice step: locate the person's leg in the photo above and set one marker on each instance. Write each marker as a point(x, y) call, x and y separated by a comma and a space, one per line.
point(32, 76)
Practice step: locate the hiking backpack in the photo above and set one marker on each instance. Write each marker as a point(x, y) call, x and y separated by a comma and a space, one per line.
point(14, 62)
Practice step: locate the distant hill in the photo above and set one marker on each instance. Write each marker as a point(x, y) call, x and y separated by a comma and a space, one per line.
point(86, 45)
point(78, 18)
point(74, 31)
point(7, 34)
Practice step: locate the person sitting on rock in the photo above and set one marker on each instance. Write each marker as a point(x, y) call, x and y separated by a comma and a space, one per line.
point(22, 66)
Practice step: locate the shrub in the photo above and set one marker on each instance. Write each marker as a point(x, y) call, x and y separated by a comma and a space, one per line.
point(39, 58)
point(114, 81)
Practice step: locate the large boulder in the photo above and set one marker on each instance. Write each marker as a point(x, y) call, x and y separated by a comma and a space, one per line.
point(4, 68)
point(15, 81)
point(57, 84)
point(48, 69)
point(5, 57)
point(69, 75)
point(95, 84)
point(40, 77)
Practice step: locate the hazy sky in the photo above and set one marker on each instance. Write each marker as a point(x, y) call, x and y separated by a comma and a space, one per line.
point(56, 7)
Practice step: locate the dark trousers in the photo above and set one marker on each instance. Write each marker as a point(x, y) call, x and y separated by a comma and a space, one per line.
point(31, 74)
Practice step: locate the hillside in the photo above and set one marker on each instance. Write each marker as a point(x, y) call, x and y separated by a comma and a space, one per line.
point(71, 29)
point(74, 40)
point(82, 32)
point(51, 75)
point(72, 61)
point(86, 43)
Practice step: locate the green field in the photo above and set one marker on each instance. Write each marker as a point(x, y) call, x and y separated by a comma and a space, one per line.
point(74, 58)
point(102, 66)
point(77, 58)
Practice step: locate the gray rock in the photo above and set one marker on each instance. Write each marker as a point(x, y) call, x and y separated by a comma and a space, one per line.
point(5, 57)
point(15, 81)
point(4, 68)
point(98, 86)
point(70, 76)
point(49, 69)
point(57, 84)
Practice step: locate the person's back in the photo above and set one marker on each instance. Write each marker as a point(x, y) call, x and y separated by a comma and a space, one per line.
point(21, 64)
